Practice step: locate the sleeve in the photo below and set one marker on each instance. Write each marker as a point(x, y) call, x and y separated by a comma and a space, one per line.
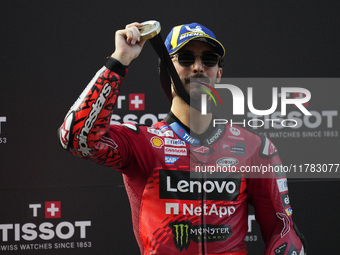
point(85, 127)
point(269, 196)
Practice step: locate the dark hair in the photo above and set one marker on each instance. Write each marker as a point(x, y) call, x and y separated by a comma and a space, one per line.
point(221, 62)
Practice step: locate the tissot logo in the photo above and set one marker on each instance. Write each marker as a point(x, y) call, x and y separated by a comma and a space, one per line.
point(44, 231)
point(178, 185)
point(134, 102)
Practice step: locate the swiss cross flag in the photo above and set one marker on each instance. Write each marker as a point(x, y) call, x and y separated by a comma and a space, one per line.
point(136, 102)
point(52, 209)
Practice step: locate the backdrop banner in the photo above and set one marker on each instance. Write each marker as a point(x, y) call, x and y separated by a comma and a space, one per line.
point(55, 203)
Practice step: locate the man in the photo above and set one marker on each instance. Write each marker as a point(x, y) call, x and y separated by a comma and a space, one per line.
point(172, 212)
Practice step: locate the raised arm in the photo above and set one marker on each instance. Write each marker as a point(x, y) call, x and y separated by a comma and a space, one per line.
point(87, 122)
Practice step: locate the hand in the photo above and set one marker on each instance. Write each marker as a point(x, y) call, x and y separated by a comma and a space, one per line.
point(128, 43)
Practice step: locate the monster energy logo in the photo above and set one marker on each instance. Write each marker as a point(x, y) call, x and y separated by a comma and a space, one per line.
point(184, 233)
point(180, 230)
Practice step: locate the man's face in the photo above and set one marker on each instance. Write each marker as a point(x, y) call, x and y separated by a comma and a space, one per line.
point(196, 70)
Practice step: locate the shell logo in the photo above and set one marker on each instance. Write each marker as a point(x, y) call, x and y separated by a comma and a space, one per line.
point(157, 142)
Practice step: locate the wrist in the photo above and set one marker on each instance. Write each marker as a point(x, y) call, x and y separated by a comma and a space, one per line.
point(125, 59)
point(116, 66)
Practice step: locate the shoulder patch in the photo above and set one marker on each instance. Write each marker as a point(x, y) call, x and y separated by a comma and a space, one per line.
point(268, 149)
point(131, 126)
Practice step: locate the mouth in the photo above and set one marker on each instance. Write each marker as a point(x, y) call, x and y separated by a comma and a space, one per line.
point(201, 85)
point(198, 79)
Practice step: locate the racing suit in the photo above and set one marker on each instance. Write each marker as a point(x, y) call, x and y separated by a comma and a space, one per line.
point(173, 210)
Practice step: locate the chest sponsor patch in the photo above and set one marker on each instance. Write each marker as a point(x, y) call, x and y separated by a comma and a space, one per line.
point(156, 142)
point(233, 148)
point(175, 184)
point(235, 134)
point(184, 232)
point(225, 162)
point(175, 151)
point(174, 142)
point(170, 160)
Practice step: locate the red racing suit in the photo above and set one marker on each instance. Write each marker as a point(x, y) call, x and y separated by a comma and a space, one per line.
point(183, 198)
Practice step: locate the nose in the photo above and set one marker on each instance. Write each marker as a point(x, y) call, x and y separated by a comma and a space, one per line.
point(198, 67)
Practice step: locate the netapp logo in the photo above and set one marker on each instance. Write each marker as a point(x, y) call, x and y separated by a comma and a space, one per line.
point(179, 185)
point(206, 210)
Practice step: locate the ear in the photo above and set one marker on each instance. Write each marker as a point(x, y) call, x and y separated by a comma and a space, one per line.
point(219, 75)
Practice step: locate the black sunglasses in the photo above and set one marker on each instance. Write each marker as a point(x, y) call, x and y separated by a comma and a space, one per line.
point(186, 59)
